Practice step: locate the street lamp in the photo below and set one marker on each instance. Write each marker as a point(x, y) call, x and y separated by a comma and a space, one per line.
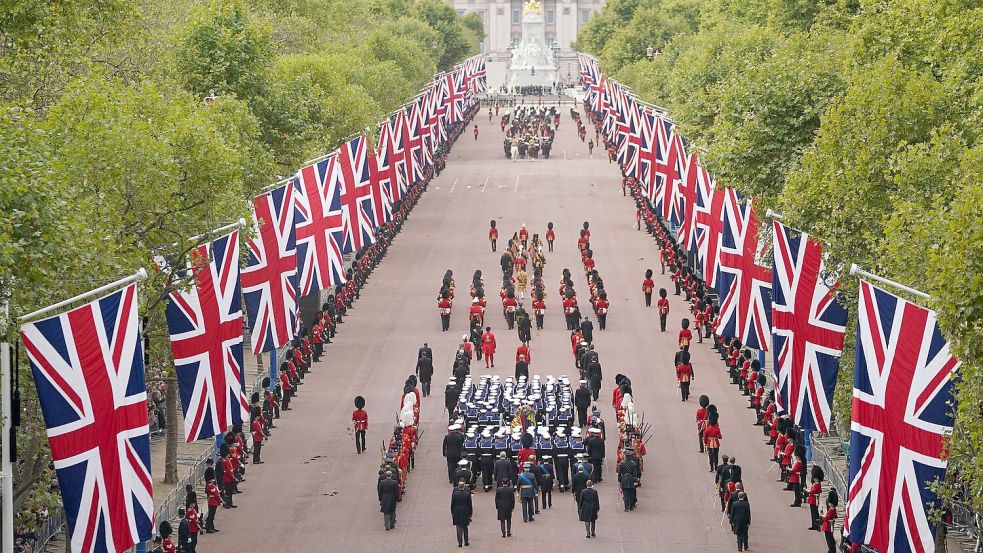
point(210, 99)
point(652, 53)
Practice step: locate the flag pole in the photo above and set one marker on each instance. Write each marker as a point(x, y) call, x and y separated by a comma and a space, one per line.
point(6, 466)
point(856, 270)
point(138, 276)
point(238, 224)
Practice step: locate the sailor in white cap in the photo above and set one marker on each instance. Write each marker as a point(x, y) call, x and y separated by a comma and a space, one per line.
point(453, 449)
point(464, 473)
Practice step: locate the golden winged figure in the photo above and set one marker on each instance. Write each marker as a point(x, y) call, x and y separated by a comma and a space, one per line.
point(533, 7)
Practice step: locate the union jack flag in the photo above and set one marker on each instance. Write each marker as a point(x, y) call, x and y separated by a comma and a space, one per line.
point(352, 177)
point(205, 324)
point(383, 178)
point(88, 369)
point(588, 72)
point(436, 110)
point(902, 409)
point(474, 74)
point(454, 89)
point(669, 167)
point(413, 143)
point(808, 327)
point(629, 135)
point(319, 263)
point(648, 152)
point(269, 280)
point(744, 287)
point(708, 222)
point(698, 187)
point(397, 141)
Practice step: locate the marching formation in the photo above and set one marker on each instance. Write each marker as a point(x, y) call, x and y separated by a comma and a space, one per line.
point(529, 131)
point(793, 309)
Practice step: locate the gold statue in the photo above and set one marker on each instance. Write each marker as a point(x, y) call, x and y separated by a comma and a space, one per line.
point(532, 7)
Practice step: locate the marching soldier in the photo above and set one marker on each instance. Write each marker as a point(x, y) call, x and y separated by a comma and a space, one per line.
point(539, 309)
point(360, 422)
point(509, 305)
point(453, 449)
point(684, 374)
point(663, 307)
point(493, 235)
point(444, 308)
point(647, 286)
point(550, 236)
point(601, 308)
point(525, 326)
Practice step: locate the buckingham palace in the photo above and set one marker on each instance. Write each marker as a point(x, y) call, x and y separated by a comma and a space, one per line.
point(503, 21)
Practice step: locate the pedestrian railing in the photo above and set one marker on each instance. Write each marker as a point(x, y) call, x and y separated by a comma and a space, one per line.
point(51, 527)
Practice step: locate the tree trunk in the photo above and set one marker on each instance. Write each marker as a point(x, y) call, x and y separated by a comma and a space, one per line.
point(170, 452)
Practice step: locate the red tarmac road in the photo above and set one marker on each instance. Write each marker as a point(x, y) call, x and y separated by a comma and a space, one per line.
point(313, 493)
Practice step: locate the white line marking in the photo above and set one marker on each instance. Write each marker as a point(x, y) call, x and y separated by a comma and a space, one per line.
point(456, 179)
point(516, 189)
point(485, 185)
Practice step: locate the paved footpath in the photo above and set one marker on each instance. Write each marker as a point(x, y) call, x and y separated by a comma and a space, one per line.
point(315, 494)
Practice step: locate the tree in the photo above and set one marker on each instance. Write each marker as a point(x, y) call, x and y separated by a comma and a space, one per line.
point(226, 50)
point(474, 23)
point(458, 40)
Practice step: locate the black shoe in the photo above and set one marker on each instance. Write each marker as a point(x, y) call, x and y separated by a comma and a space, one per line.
point(593, 535)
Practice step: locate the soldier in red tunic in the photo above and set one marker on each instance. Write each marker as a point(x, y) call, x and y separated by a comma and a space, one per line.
point(493, 236)
point(539, 310)
point(684, 374)
point(685, 336)
point(524, 235)
point(550, 236)
point(601, 308)
point(444, 306)
point(360, 423)
point(663, 306)
point(701, 420)
point(647, 286)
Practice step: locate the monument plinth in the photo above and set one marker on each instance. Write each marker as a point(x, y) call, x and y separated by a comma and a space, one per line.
point(532, 60)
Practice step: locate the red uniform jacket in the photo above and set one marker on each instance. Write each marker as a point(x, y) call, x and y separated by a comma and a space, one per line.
point(523, 234)
point(685, 337)
point(228, 470)
point(466, 346)
point(524, 351)
point(444, 306)
point(488, 342)
point(569, 304)
point(648, 286)
point(493, 233)
point(663, 305)
point(712, 437)
point(539, 307)
point(793, 477)
point(601, 307)
point(360, 419)
point(509, 304)
point(214, 498)
point(257, 428)
point(684, 372)
point(814, 491)
point(828, 520)
point(550, 235)
point(701, 419)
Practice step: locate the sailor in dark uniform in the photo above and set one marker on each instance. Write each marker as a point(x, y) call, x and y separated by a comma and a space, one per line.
point(464, 474)
point(486, 451)
point(562, 453)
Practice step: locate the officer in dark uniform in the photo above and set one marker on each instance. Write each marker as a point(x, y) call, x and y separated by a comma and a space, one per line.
point(562, 453)
point(595, 452)
point(464, 474)
point(453, 449)
point(502, 468)
point(581, 400)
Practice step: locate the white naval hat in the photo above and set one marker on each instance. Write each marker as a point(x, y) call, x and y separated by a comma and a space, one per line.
point(454, 427)
point(463, 463)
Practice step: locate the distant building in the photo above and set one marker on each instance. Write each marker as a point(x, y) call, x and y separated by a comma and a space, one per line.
point(503, 21)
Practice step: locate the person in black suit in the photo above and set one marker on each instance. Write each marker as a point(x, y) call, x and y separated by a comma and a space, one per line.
point(502, 469)
point(578, 484)
point(590, 504)
point(740, 516)
point(388, 490)
point(424, 369)
point(425, 351)
point(505, 504)
point(453, 447)
point(581, 399)
point(461, 511)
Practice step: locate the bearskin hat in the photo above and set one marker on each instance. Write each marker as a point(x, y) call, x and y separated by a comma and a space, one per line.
point(685, 323)
point(648, 273)
point(618, 378)
point(549, 225)
point(224, 450)
point(569, 293)
point(492, 223)
point(663, 293)
point(800, 451)
point(583, 232)
point(755, 365)
point(711, 409)
point(817, 473)
point(832, 497)
point(586, 225)
point(254, 398)
point(510, 293)
point(266, 382)
point(165, 529)
point(625, 387)
point(712, 417)
point(413, 379)
point(603, 294)
point(684, 356)
point(254, 412)
point(526, 440)
point(704, 401)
